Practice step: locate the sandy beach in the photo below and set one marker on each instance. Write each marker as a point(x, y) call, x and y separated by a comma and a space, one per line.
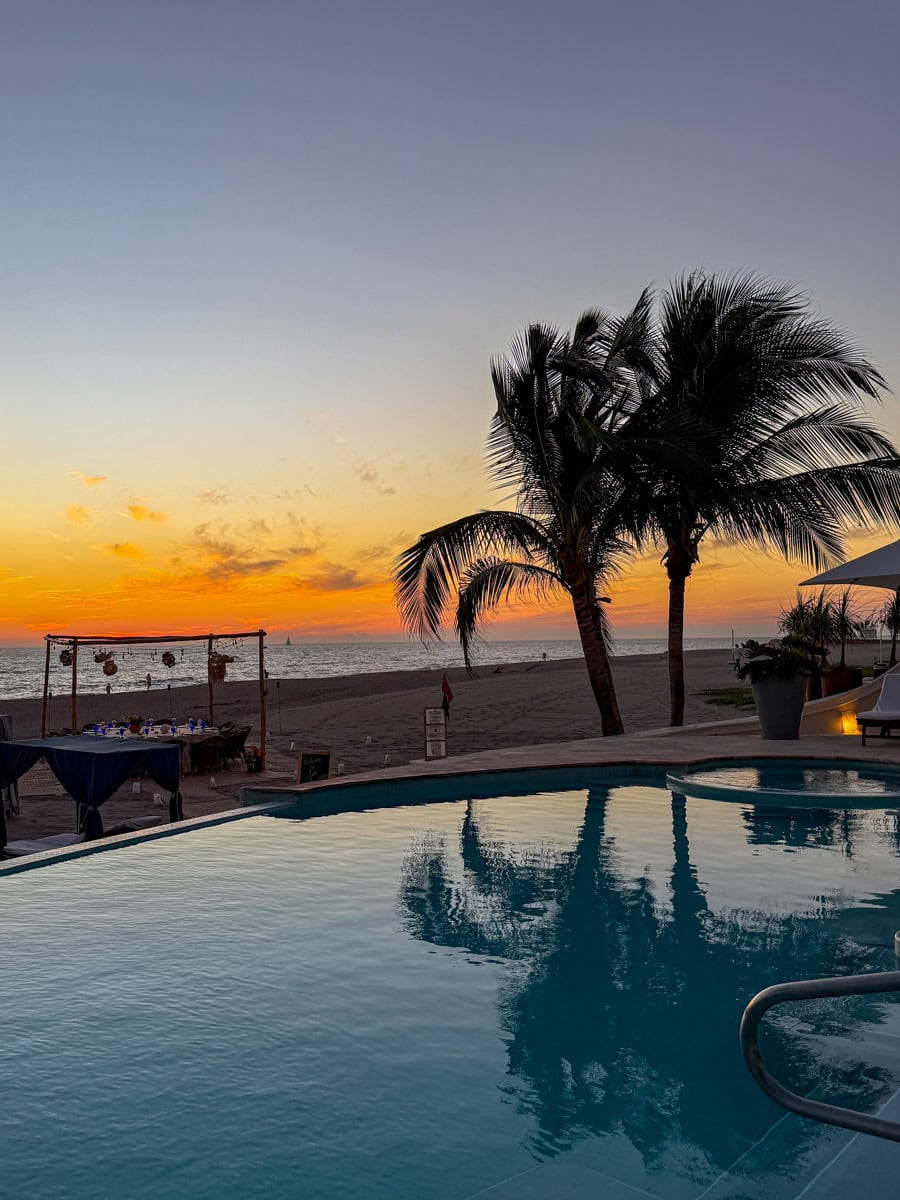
point(498, 707)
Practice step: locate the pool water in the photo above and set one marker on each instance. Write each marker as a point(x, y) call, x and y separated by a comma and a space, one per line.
point(528, 995)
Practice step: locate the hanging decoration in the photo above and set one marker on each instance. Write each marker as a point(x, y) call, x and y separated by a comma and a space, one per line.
point(109, 667)
point(65, 657)
point(217, 663)
point(168, 659)
point(103, 656)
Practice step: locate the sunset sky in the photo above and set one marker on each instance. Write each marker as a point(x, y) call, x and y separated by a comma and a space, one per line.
point(256, 258)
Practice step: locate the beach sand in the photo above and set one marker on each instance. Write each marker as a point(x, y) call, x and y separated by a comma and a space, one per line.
point(518, 704)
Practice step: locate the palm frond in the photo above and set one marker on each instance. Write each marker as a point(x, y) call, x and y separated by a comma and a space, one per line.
point(827, 436)
point(489, 582)
point(428, 572)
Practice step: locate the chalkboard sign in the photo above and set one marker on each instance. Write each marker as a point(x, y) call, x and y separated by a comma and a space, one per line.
point(313, 765)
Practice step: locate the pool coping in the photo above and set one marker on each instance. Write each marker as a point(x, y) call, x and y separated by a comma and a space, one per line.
point(557, 757)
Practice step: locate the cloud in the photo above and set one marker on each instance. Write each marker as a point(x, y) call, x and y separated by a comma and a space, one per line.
point(381, 554)
point(90, 481)
point(80, 514)
point(334, 577)
point(123, 550)
point(214, 496)
point(141, 513)
point(309, 539)
point(222, 559)
point(368, 474)
point(251, 580)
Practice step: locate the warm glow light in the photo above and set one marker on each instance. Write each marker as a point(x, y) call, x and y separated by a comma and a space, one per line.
point(849, 723)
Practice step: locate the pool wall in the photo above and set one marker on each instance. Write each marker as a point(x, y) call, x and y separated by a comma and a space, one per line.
point(681, 779)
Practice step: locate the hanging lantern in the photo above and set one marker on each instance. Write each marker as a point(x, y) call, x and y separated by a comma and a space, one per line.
point(103, 656)
point(65, 657)
point(109, 667)
point(168, 659)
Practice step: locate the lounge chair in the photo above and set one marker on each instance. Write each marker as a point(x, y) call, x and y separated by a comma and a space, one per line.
point(38, 845)
point(133, 825)
point(886, 713)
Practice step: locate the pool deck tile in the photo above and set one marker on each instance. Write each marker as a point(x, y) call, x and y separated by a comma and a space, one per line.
point(692, 745)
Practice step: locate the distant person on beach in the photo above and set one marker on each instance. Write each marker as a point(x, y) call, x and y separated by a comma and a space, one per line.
point(149, 681)
point(109, 689)
point(544, 656)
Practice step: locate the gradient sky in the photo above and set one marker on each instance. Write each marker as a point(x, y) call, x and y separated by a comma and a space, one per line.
point(256, 258)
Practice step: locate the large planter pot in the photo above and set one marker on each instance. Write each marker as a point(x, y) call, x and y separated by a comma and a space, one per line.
point(779, 705)
point(841, 679)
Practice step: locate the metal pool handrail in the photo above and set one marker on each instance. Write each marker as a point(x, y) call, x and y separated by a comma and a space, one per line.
point(814, 989)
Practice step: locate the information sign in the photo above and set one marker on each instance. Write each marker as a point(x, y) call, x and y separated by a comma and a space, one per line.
point(435, 733)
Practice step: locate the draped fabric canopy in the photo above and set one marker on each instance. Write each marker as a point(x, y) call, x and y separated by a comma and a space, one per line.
point(90, 768)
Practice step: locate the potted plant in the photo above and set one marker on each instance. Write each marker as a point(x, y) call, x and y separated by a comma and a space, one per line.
point(778, 672)
point(135, 724)
point(846, 626)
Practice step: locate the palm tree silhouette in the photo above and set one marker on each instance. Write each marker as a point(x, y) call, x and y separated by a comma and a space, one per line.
point(566, 438)
point(784, 456)
point(736, 415)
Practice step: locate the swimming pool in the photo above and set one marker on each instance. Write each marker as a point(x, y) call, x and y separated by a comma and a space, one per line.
point(521, 986)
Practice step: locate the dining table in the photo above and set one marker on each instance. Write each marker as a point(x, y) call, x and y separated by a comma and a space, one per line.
point(184, 737)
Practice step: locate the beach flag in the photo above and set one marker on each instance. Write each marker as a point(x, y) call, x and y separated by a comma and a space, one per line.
point(447, 697)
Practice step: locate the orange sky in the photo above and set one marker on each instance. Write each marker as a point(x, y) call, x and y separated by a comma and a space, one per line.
point(310, 559)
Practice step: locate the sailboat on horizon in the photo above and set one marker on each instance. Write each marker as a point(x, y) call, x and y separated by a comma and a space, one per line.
point(288, 642)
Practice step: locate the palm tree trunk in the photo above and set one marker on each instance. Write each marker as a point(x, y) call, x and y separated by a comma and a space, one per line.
point(596, 660)
point(894, 633)
point(677, 578)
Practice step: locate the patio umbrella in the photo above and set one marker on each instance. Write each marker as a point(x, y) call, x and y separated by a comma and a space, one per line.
point(878, 568)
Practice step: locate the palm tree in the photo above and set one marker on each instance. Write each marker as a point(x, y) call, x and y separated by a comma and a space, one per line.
point(847, 625)
point(890, 618)
point(567, 429)
point(784, 455)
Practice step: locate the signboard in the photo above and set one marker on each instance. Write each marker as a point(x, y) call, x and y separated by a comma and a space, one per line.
point(435, 733)
point(313, 765)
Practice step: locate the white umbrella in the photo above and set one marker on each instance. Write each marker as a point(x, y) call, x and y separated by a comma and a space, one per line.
point(878, 568)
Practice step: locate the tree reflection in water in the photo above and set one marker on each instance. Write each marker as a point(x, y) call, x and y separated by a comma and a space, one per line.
point(621, 1005)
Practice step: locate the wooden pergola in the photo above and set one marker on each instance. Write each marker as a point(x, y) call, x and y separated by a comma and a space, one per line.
point(72, 642)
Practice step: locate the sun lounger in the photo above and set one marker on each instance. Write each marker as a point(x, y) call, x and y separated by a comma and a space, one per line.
point(886, 713)
point(133, 825)
point(39, 845)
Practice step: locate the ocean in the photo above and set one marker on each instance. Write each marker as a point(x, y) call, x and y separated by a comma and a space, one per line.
point(22, 667)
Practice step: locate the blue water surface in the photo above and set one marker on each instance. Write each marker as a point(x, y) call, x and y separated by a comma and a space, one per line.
point(518, 995)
